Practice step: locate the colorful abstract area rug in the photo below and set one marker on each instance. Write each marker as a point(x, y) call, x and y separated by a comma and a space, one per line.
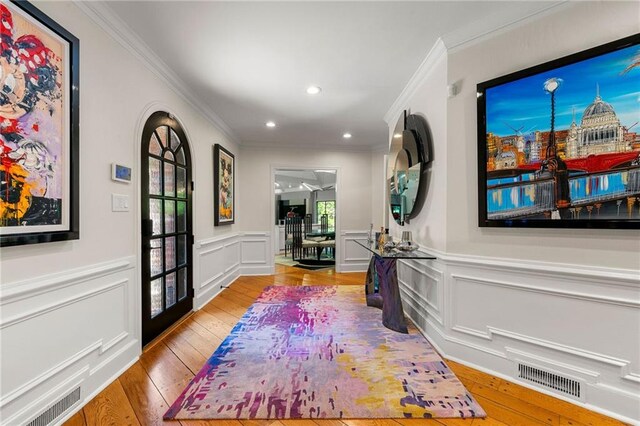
point(320, 352)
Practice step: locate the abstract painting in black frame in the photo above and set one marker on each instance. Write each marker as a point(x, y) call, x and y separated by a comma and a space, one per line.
point(559, 143)
point(39, 128)
point(224, 186)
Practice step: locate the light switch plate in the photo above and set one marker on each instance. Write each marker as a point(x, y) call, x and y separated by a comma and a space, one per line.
point(119, 203)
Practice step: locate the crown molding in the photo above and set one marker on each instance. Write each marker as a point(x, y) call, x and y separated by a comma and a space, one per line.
point(456, 40)
point(477, 31)
point(438, 50)
point(114, 26)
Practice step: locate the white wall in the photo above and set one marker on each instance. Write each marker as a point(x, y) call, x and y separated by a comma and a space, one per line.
point(353, 192)
point(565, 301)
point(70, 310)
point(429, 100)
point(378, 191)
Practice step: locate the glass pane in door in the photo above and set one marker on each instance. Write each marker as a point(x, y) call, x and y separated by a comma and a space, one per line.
point(155, 185)
point(181, 182)
point(182, 283)
point(169, 180)
point(180, 156)
point(170, 253)
point(156, 297)
point(162, 135)
point(154, 146)
point(175, 140)
point(182, 250)
point(155, 214)
point(170, 281)
point(182, 216)
point(169, 216)
point(156, 257)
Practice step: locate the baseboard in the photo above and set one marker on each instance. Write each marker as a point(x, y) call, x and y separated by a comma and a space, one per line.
point(213, 290)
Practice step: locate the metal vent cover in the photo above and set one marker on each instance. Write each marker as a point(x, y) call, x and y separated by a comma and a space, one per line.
point(53, 412)
point(550, 380)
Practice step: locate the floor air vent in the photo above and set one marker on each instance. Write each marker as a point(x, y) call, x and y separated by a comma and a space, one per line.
point(56, 409)
point(553, 381)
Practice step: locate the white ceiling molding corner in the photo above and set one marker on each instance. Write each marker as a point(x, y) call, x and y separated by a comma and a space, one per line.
point(483, 29)
point(470, 33)
point(437, 51)
point(99, 12)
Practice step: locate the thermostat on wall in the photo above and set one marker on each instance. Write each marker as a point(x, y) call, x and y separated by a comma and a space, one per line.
point(120, 173)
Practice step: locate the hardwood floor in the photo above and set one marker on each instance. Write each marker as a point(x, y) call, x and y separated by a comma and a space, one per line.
point(143, 393)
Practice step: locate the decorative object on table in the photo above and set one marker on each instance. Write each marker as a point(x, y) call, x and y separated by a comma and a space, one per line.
point(556, 144)
point(319, 352)
point(224, 178)
point(39, 158)
point(120, 173)
point(409, 156)
point(388, 243)
point(381, 237)
point(406, 244)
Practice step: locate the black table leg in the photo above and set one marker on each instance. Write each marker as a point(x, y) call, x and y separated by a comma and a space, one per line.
point(374, 298)
point(392, 312)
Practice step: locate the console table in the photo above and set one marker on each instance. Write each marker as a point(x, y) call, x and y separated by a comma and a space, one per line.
point(387, 295)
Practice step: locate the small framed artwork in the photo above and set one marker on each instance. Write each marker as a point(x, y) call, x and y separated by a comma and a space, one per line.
point(120, 173)
point(39, 112)
point(559, 143)
point(223, 185)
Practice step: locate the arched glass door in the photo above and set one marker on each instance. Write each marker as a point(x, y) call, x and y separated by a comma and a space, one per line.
point(167, 287)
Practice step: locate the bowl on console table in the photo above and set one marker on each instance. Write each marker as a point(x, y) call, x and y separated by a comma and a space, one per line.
point(407, 246)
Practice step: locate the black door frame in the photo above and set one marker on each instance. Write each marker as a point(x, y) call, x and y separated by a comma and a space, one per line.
point(151, 328)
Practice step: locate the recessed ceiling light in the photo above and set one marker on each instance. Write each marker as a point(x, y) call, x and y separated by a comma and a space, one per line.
point(270, 124)
point(313, 90)
point(347, 136)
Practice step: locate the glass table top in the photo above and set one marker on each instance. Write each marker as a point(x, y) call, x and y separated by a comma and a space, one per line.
point(393, 253)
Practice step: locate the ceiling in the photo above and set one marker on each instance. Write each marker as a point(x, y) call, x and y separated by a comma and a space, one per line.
point(251, 62)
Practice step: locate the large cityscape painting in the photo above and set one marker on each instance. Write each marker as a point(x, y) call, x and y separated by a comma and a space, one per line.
point(560, 146)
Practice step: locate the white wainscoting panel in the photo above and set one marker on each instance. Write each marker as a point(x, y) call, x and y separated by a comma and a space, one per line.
point(63, 331)
point(352, 257)
point(580, 323)
point(421, 281)
point(217, 264)
point(257, 255)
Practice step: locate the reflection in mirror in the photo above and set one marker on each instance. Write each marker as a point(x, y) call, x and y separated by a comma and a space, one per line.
point(407, 159)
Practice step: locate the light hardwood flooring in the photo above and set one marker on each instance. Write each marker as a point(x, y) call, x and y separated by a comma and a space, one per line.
point(143, 393)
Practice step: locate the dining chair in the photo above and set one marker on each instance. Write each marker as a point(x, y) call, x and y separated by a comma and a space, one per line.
point(324, 223)
point(308, 224)
point(288, 233)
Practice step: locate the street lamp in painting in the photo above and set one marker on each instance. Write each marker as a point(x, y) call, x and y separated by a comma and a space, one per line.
point(553, 163)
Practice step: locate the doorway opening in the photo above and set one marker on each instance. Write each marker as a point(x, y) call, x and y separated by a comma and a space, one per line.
point(305, 218)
